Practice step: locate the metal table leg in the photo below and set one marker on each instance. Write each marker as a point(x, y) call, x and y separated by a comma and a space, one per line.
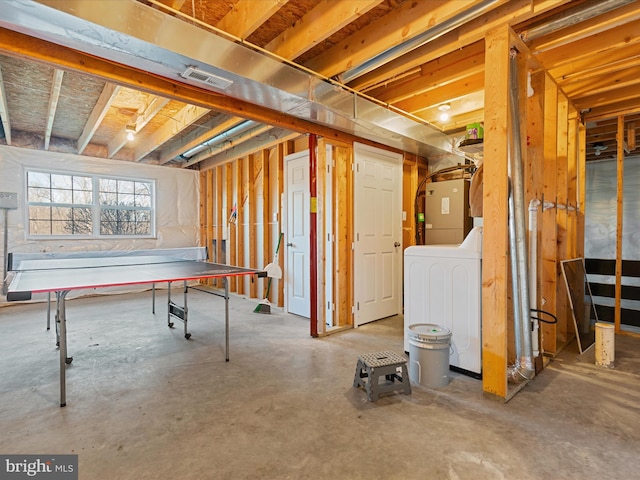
point(64, 360)
point(226, 316)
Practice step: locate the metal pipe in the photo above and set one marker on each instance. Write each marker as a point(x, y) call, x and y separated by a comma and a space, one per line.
point(427, 36)
point(573, 17)
point(515, 280)
point(226, 135)
point(526, 368)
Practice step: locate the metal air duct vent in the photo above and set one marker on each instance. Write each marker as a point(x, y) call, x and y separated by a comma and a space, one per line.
point(205, 77)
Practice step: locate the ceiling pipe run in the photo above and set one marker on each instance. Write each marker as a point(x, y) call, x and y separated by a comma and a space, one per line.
point(218, 139)
point(428, 36)
point(133, 34)
point(572, 17)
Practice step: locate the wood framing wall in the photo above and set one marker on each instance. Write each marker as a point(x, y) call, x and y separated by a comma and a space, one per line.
point(241, 219)
point(554, 174)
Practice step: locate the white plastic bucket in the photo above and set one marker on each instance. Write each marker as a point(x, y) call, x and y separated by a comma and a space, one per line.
point(429, 346)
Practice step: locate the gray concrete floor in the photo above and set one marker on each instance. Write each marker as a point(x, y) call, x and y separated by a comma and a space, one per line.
point(143, 402)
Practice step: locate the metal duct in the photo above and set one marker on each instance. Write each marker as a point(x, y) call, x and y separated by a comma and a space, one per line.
point(223, 137)
point(134, 34)
point(427, 36)
point(524, 364)
point(572, 17)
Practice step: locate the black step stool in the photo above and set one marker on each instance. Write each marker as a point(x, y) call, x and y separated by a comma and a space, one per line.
point(372, 366)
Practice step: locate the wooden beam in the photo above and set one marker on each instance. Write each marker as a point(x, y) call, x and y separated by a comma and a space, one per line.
point(210, 129)
point(54, 96)
point(548, 251)
point(408, 20)
point(451, 68)
point(241, 195)
point(231, 236)
point(495, 242)
point(4, 111)
point(267, 239)
point(512, 12)
point(456, 92)
point(180, 121)
point(581, 184)
point(210, 217)
point(252, 230)
point(322, 204)
point(534, 168)
point(280, 153)
point(586, 28)
point(108, 95)
point(217, 149)
point(619, 222)
point(246, 16)
point(220, 221)
point(631, 136)
point(153, 108)
point(318, 24)
point(562, 309)
point(23, 46)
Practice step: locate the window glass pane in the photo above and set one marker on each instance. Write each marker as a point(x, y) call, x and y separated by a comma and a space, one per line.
point(108, 185)
point(126, 205)
point(81, 222)
point(82, 197)
point(39, 213)
point(126, 200)
point(37, 227)
point(61, 181)
point(37, 194)
point(108, 198)
point(82, 183)
point(38, 179)
point(125, 186)
point(143, 188)
point(61, 196)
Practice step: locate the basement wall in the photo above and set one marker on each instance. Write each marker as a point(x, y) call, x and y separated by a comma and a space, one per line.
point(177, 194)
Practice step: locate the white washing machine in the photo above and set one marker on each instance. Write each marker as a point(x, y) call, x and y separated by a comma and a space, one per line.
point(442, 286)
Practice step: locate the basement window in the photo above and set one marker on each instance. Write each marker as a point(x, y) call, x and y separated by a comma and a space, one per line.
point(70, 205)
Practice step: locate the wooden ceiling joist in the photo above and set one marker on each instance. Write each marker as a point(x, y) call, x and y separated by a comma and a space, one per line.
point(153, 108)
point(318, 24)
point(107, 97)
point(53, 105)
point(246, 16)
point(4, 112)
point(182, 120)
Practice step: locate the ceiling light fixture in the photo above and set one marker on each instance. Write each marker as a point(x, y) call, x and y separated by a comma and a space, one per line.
point(131, 132)
point(444, 112)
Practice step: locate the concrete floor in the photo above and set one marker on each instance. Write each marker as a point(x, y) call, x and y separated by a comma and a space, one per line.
point(143, 402)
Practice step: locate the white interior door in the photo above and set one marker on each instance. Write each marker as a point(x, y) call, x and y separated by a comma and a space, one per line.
point(378, 233)
point(297, 274)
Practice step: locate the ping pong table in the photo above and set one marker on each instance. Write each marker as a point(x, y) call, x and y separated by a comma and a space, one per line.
point(63, 275)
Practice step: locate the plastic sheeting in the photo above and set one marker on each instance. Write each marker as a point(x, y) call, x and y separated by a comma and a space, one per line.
point(601, 205)
point(177, 201)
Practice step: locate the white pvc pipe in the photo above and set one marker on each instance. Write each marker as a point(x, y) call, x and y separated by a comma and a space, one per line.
point(533, 273)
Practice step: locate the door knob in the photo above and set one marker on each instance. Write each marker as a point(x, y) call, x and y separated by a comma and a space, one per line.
point(289, 244)
point(397, 244)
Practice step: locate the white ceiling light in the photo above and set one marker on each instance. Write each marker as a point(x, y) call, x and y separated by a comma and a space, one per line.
point(131, 131)
point(444, 112)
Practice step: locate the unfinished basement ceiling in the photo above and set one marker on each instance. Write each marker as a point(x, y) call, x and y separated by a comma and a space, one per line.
point(377, 69)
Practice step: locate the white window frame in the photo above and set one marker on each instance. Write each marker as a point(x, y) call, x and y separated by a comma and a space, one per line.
point(95, 205)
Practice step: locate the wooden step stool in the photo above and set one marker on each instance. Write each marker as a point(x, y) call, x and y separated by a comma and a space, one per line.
point(372, 366)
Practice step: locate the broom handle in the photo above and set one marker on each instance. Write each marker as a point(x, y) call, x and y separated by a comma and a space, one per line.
point(277, 250)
